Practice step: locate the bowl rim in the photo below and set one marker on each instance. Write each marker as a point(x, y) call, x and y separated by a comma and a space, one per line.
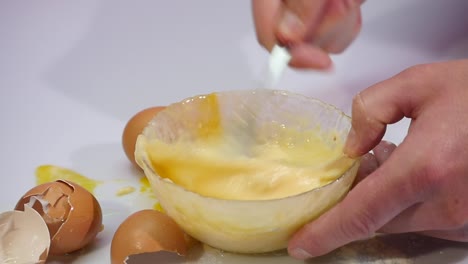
point(355, 162)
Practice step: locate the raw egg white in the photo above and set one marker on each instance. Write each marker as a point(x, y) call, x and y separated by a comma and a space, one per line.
point(72, 214)
point(148, 231)
point(134, 127)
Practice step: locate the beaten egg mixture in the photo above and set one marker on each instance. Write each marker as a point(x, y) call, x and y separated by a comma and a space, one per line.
point(221, 166)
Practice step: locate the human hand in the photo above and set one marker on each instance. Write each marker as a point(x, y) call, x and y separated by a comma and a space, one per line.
point(311, 29)
point(422, 186)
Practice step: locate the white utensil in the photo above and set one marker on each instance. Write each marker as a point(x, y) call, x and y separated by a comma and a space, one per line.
point(278, 62)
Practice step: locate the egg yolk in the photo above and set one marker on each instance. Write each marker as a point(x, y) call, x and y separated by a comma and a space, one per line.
point(219, 165)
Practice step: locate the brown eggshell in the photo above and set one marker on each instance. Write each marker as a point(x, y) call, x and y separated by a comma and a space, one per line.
point(134, 127)
point(74, 216)
point(147, 231)
point(16, 230)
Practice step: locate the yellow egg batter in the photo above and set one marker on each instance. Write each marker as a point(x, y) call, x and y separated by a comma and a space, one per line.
point(222, 166)
point(266, 171)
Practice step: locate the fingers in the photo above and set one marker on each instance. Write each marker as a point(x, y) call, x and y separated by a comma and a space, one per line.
point(368, 165)
point(370, 205)
point(427, 219)
point(444, 207)
point(328, 24)
point(311, 29)
point(370, 162)
point(384, 103)
point(310, 57)
point(418, 217)
point(460, 234)
point(297, 20)
point(383, 151)
point(265, 14)
point(339, 26)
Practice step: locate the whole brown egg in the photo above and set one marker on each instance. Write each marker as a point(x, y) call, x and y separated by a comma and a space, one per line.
point(148, 231)
point(134, 127)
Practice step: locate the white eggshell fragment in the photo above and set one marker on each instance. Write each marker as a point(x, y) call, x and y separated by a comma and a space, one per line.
point(24, 237)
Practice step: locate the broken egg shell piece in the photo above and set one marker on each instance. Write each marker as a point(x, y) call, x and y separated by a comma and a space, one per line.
point(147, 231)
point(72, 214)
point(24, 237)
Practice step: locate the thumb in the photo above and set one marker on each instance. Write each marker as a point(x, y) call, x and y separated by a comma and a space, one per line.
point(384, 103)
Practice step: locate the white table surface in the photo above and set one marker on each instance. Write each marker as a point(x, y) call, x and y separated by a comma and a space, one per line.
point(73, 72)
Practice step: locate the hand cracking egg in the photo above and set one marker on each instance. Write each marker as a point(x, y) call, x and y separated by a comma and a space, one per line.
point(149, 231)
point(72, 214)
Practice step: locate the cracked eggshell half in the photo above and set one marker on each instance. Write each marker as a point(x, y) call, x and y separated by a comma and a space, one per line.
point(72, 214)
point(148, 231)
point(24, 237)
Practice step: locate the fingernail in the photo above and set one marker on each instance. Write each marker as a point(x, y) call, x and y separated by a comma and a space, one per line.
point(351, 142)
point(300, 253)
point(290, 26)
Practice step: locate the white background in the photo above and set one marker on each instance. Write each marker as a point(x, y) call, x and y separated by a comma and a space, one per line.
point(73, 72)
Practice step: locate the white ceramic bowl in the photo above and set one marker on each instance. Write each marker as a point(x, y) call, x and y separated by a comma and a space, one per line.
point(252, 226)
